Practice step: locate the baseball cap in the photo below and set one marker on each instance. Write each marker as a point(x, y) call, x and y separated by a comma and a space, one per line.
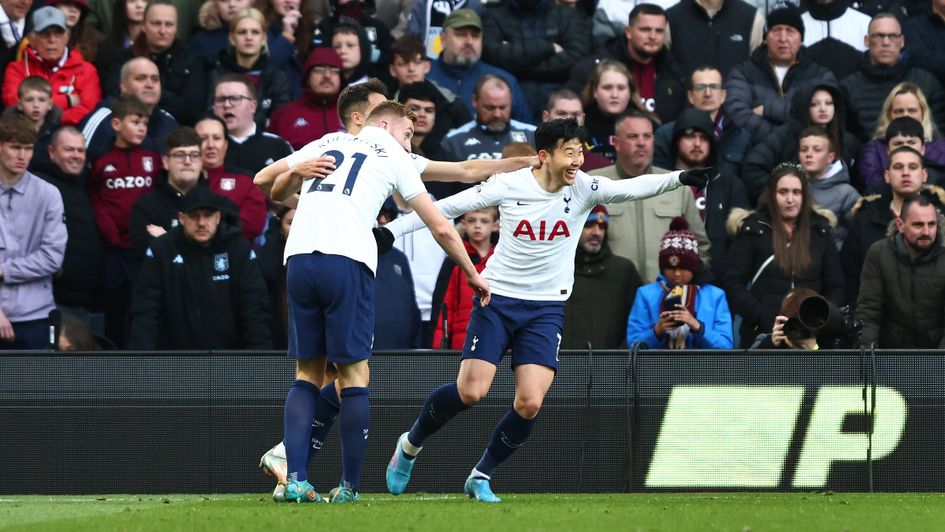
point(200, 198)
point(46, 17)
point(463, 18)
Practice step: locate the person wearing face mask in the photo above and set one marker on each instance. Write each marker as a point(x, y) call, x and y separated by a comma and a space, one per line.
point(674, 313)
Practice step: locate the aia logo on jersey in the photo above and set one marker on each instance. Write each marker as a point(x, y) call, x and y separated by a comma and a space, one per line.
point(525, 230)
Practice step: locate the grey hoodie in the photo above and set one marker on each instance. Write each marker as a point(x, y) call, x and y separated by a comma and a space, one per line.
point(834, 193)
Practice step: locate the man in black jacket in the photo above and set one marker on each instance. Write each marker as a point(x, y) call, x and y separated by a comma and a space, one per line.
point(925, 40)
point(200, 286)
point(79, 282)
point(719, 33)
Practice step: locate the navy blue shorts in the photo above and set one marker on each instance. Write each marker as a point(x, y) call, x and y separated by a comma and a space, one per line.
point(532, 329)
point(331, 308)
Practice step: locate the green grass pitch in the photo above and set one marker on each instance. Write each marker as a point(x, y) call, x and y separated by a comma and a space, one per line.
point(740, 512)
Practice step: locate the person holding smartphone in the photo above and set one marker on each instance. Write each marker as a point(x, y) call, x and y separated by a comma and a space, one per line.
point(673, 313)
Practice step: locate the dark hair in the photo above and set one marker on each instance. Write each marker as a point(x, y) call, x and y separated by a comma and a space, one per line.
point(703, 68)
point(490, 78)
point(549, 134)
point(16, 127)
point(354, 97)
point(234, 77)
point(833, 128)
point(920, 200)
point(417, 91)
point(793, 259)
point(905, 126)
point(645, 9)
point(818, 131)
point(129, 105)
point(217, 119)
point(407, 48)
point(78, 332)
point(633, 112)
point(180, 137)
point(561, 94)
point(120, 24)
point(905, 149)
point(152, 3)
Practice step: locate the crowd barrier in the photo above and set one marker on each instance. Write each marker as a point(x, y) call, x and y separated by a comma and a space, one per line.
point(614, 421)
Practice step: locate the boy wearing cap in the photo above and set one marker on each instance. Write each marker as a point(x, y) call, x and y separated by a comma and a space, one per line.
point(200, 286)
point(673, 313)
point(75, 84)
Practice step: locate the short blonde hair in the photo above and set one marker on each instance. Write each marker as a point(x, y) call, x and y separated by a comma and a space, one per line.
point(929, 131)
point(255, 14)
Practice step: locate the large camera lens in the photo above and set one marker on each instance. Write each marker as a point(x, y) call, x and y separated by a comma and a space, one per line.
point(795, 330)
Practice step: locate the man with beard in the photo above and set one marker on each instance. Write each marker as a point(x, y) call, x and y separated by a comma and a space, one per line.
point(493, 128)
point(694, 145)
point(902, 293)
point(314, 114)
point(605, 286)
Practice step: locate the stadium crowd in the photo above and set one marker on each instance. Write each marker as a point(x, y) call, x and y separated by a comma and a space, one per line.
point(131, 132)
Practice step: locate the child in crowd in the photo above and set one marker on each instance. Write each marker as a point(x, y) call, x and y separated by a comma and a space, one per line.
point(34, 101)
point(829, 180)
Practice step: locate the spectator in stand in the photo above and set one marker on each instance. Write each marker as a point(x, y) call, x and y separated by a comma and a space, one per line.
point(83, 36)
point(822, 105)
point(359, 15)
point(427, 20)
point(34, 236)
point(234, 100)
point(760, 89)
point(248, 54)
point(605, 286)
point(216, 17)
point(706, 93)
point(34, 101)
point(882, 68)
point(74, 80)
point(538, 42)
point(634, 226)
point(719, 33)
point(140, 79)
point(905, 176)
point(315, 113)
point(232, 183)
point(658, 78)
point(282, 17)
point(200, 285)
point(925, 40)
point(829, 184)
point(453, 298)
point(353, 46)
point(902, 296)
point(127, 22)
point(904, 101)
point(834, 34)
point(427, 139)
point(272, 265)
point(79, 281)
point(493, 128)
point(397, 322)
point(777, 339)
point(608, 94)
point(783, 244)
point(183, 77)
point(564, 103)
point(694, 146)
point(12, 28)
point(459, 68)
point(119, 177)
point(75, 334)
point(674, 312)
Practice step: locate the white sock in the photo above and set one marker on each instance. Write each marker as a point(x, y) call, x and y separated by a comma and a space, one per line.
point(279, 450)
point(410, 448)
point(475, 473)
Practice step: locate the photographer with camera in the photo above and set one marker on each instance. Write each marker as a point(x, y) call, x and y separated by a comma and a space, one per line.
point(902, 287)
point(787, 332)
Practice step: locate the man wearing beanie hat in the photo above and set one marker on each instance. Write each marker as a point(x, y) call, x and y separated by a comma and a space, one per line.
point(759, 101)
point(314, 114)
point(672, 313)
point(604, 288)
point(694, 145)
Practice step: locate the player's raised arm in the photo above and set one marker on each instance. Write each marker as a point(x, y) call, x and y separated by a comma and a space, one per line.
point(446, 236)
point(487, 194)
point(267, 178)
point(645, 186)
point(475, 170)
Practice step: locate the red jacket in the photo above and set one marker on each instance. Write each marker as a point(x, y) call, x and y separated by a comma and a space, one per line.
point(117, 180)
point(239, 188)
point(459, 302)
point(76, 76)
point(304, 120)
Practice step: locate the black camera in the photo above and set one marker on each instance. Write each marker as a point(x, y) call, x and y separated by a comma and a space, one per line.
point(834, 328)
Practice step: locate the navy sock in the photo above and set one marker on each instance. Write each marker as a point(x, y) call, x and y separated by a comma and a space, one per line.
point(442, 405)
point(509, 435)
point(299, 413)
point(355, 423)
point(327, 407)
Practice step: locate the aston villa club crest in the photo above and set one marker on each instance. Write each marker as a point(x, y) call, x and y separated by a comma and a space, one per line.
point(227, 183)
point(221, 262)
point(148, 164)
point(518, 136)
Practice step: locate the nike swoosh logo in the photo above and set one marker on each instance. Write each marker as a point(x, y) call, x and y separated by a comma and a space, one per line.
point(520, 203)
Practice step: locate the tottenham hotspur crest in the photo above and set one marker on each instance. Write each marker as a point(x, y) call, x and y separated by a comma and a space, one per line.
point(221, 262)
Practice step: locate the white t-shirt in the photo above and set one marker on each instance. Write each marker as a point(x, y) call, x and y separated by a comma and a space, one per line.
point(539, 230)
point(335, 215)
point(313, 149)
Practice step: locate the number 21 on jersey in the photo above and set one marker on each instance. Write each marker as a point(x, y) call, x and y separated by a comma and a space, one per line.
point(359, 158)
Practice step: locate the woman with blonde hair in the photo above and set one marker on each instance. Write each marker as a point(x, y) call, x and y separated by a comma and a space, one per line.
point(216, 18)
point(609, 92)
point(906, 99)
point(248, 53)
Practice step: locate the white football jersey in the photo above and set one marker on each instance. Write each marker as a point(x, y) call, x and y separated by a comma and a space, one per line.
point(313, 149)
point(335, 214)
point(539, 230)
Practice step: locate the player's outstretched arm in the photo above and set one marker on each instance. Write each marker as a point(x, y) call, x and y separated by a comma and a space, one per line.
point(640, 187)
point(475, 170)
point(449, 240)
point(267, 178)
